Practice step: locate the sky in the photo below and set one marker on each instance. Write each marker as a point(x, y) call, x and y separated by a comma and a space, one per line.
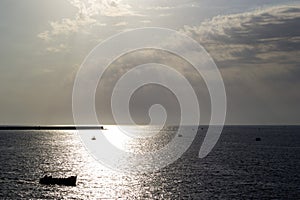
point(255, 44)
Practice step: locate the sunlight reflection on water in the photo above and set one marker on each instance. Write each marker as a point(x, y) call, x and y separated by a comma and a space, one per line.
point(63, 154)
point(237, 166)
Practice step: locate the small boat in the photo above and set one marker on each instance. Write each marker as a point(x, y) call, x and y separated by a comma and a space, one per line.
point(93, 138)
point(48, 180)
point(258, 139)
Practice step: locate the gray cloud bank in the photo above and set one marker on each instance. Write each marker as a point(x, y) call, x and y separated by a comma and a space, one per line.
point(258, 55)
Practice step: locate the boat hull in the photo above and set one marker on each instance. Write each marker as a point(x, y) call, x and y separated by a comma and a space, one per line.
point(48, 180)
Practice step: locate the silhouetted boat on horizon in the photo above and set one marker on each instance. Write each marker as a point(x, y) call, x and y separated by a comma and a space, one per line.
point(49, 180)
point(258, 139)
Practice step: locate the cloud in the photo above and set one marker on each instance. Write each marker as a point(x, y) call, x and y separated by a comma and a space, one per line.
point(86, 17)
point(110, 8)
point(250, 37)
point(264, 42)
point(67, 25)
point(161, 8)
point(164, 8)
point(121, 24)
point(57, 49)
point(145, 21)
point(165, 15)
point(44, 36)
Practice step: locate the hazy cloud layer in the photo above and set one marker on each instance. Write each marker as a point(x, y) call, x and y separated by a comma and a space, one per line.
point(258, 55)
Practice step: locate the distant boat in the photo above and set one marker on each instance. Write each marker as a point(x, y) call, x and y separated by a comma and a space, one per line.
point(93, 138)
point(258, 139)
point(179, 135)
point(48, 180)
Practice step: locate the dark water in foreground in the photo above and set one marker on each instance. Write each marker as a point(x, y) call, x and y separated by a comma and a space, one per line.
point(238, 168)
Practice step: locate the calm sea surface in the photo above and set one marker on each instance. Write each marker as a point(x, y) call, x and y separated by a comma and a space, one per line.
point(238, 167)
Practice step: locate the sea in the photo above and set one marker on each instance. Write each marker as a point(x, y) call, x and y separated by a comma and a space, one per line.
point(238, 167)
